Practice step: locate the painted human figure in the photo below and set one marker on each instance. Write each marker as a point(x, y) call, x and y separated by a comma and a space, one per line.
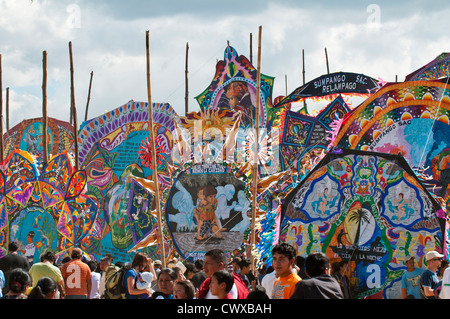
point(239, 100)
point(321, 205)
point(204, 212)
point(401, 206)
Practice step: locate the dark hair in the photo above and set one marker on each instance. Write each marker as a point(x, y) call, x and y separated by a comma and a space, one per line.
point(259, 292)
point(244, 263)
point(208, 190)
point(92, 264)
point(139, 260)
point(18, 280)
point(49, 255)
point(199, 264)
point(189, 268)
point(316, 263)
point(169, 271)
point(44, 286)
point(224, 276)
point(13, 246)
point(218, 256)
point(188, 288)
point(300, 261)
point(285, 249)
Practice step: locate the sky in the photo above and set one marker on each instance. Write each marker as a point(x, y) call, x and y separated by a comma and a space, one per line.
point(381, 39)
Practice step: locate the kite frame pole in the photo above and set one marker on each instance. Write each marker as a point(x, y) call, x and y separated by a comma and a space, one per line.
point(255, 155)
point(44, 108)
point(72, 106)
point(154, 163)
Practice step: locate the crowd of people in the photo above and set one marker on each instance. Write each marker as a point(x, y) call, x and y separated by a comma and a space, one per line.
point(214, 277)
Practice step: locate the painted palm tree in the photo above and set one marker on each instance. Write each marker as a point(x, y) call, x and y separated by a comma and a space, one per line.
point(359, 216)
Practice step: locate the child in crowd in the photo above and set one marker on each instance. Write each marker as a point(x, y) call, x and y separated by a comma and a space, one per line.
point(183, 289)
point(221, 283)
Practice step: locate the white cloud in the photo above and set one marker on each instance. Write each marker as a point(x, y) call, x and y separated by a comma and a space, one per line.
point(109, 39)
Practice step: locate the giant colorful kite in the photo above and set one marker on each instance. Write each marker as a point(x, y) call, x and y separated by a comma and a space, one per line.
point(27, 136)
point(306, 138)
point(44, 207)
point(411, 118)
point(234, 88)
point(331, 86)
point(114, 149)
point(368, 209)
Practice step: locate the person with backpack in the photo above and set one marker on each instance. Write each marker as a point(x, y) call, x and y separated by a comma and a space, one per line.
point(132, 276)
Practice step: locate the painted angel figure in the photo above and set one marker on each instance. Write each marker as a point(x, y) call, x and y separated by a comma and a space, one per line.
point(182, 201)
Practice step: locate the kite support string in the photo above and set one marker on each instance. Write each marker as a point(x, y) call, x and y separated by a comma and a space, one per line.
point(434, 121)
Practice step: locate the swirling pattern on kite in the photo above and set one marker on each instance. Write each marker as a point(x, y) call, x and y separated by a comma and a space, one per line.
point(411, 118)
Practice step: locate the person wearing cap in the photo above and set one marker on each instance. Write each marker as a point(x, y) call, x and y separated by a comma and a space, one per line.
point(445, 291)
point(410, 279)
point(429, 280)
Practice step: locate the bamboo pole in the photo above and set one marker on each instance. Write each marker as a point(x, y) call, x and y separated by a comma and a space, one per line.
point(255, 154)
point(303, 73)
point(44, 107)
point(152, 143)
point(303, 60)
point(326, 60)
point(285, 84)
point(251, 48)
point(1, 110)
point(88, 97)
point(72, 106)
point(186, 97)
point(7, 109)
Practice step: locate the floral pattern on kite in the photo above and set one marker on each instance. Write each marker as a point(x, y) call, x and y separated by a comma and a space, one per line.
point(368, 209)
point(43, 208)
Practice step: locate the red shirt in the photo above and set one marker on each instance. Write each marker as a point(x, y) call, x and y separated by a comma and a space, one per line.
point(76, 275)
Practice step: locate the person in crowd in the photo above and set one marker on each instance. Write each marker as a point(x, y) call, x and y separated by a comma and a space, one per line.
point(45, 288)
point(222, 282)
point(2, 283)
point(319, 284)
point(12, 261)
point(258, 292)
point(46, 268)
point(215, 260)
point(157, 266)
point(104, 266)
point(167, 278)
point(268, 280)
point(445, 291)
point(183, 289)
point(179, 272)
point(95, 280)
point(283, 256)
point(300, 263)
point(77, 276)
point(410, 279)
point(19, 281)
point(429, 281)
point(132, 276)
point(199, 276)
point(245, 272)
point(340, 275)
point(145, 280)
point(235, 263)
point(440, 272)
